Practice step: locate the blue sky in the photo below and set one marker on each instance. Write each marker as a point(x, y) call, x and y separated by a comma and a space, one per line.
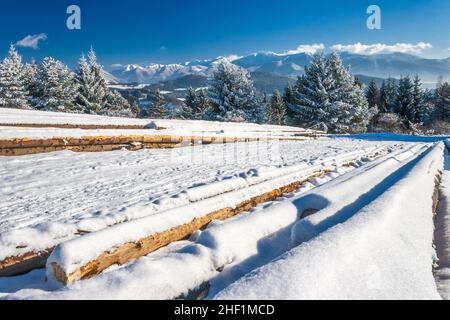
point(138, 31)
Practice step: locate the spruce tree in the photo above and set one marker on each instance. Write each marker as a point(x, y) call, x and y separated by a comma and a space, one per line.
point(30, 78)
point(135, 108)
point(288, 94)
point(429, 106)
point(405, 99)
point(87, 100)
point(288, 98)
point(388, 96)
point(57, 88)
point(159, 108)
point(202, 105)
point(187, 110)
point(383, 101)
point(328, 98)
point(276, 110)
point(443, 101)
point(350, 112)
point(118, 106)
point(418, 111)
point(372, 94)
point(93, 95)
point(13, 92)
point(232, 95)
point(313, 94)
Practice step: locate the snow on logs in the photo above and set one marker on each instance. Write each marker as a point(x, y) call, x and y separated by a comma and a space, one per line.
point(25, 146)
point(89, 255)
point(23, 259)
point(383, 250)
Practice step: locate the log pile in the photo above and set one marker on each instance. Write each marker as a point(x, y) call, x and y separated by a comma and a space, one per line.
point(133, 250)
point(26, 146)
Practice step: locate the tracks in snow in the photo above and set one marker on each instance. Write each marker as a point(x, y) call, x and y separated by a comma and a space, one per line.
point(226, 251)
point(228, 197)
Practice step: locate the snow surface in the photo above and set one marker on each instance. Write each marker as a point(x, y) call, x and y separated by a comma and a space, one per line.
point(370, 239)
point(383, 251)
point(222, 243)
point(52, 197)
point(71, 255)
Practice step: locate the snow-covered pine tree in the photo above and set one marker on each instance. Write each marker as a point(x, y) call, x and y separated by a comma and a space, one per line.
point(359, 83)
point(57, 88)
point(86, 100)
point(30, 79)
point(313, 94)
point(99, 89)
point(429, 106)
point(350, 111)
point(418, 111)
point(372, 94)
point(159, 108)
point(276, 110)
point(388, 96)
point(288, 94)
point(443, 101)
point(383, 103)
point(328, 98)
point(135, 108)
point(13, 93)
point(117, 106)
point(288, 97)
point(187, 109)
point(202, 105)
point(232, 95)
point(94, 97)
point(405, 99)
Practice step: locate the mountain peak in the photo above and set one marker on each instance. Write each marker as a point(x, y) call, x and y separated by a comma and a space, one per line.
point(381, 65)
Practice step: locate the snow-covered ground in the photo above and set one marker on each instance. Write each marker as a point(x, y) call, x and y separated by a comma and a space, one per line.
point(379, 249)
point(60, 194)
point(359, 231)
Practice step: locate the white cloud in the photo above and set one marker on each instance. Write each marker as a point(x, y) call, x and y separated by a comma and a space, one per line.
point(31, 41)
point(369, 49)
point(306, 48)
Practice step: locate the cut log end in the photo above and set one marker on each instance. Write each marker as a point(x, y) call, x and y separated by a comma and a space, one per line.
point(14, 266)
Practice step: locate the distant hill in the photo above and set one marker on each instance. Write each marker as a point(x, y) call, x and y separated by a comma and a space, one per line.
point(191, 80)
point(291, 65)
point(267, 82)
point(366, 80)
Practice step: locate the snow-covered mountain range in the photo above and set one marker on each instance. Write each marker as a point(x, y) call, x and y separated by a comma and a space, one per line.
point(377, 65)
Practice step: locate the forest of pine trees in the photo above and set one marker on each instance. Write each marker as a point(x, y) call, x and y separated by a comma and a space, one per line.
point(404, 106)
point(327, 97)
point(52, 86)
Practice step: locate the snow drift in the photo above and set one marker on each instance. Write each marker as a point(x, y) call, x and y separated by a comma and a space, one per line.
point(384, 251)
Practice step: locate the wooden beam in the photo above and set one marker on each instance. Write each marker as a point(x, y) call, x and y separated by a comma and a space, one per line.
point(26, 146)
point(133, 250)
